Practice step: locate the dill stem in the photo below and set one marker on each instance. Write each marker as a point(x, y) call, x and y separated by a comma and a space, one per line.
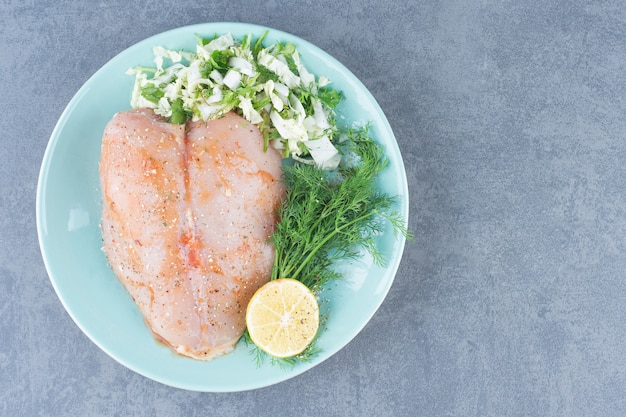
point(327, 238)
point(275, 267)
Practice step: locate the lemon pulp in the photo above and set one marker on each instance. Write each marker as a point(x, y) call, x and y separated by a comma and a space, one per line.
point(283, 317)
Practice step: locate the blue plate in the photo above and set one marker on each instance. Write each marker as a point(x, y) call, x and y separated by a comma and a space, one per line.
point(69, 210)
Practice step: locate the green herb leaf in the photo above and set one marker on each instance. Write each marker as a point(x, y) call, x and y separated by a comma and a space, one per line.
point(330, 97)
point(258, 45)
point(151, 93)
point(179, 116)
point(219, 59)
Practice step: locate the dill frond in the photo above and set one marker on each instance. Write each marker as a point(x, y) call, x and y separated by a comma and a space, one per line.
point(329, 217)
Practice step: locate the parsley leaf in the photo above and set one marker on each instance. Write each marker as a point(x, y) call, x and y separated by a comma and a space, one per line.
point(179, 116)
point(151, 93)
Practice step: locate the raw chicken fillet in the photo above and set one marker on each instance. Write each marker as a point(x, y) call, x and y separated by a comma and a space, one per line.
point(186, 218)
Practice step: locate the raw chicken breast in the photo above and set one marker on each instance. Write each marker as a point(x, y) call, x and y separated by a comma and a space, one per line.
point(186, 218)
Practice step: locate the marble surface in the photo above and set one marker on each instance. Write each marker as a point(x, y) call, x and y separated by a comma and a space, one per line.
point(511, 300)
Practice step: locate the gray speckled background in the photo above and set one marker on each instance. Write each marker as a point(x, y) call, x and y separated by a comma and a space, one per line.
point(511, 117)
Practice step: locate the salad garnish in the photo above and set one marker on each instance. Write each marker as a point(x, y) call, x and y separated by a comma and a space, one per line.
point(269, 86)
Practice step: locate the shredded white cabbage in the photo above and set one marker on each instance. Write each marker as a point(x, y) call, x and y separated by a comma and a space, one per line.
point(269, 86)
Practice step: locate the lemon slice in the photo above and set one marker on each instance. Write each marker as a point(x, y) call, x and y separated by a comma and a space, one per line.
point(283, 317)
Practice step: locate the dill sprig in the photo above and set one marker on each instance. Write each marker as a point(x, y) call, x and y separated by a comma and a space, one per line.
point(261, 356)
point(331, 216)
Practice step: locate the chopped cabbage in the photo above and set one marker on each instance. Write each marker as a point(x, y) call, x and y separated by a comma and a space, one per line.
point(269, 86)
